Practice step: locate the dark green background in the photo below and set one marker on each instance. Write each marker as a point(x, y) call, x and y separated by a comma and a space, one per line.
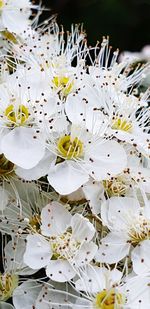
point(127, 22)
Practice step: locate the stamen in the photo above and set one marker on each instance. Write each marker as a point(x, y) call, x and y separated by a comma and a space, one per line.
point(35, 222)
point(8, 35)
point(6, 167)
point(63, 84)
point(139, 232)
point(63, 246)
point(70, 149)
point(17, 116)
point(8, 282)
point(122, 124)
point(2, 3)
point(109, 299)
point(115, 187)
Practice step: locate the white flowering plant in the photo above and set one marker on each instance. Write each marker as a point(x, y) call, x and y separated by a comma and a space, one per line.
point(74, 169)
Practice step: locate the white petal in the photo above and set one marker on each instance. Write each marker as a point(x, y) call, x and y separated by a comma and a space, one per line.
point(137, 291)
point(26, 294)
point(38, 85)
point(4, 198)
point(21, 148)
point(10, 220)
point(94, 193)
point(77, 196)
point(14, 257)
point(55, 219)
point(145, 172)
point(15, 21)
point(4, 305)
point(96, 279)
point(66, 177)
point(103, 158)
point(38, 252)
point(115, 275)
point(78, 112)
point(4, 97)
point(77, 108)
point(141, 258)
point(117, 211)
point(85, 254)
point(59, 299)
point(82, 229)
point(36, 172)
point(60, 270)
point(113, 249)
point(92, 280)
point(2, 134)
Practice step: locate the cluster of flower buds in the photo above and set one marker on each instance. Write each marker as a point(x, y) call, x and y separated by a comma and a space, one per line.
point(74, 169)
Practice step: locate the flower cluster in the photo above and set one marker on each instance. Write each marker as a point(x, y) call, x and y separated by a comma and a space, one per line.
point(74, 169)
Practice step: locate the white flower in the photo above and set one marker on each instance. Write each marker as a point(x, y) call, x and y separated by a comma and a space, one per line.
point(135, 179)
point(18, 127)
point(50, 55)
point(83, 155)
point(135, 59)
point(77, 154)
point(14, 15)
point(79, 135)
point(100, 279)
point(22, 212)
point(100, 289)
point(49, 46)
point(116, 114)
point(13, 266)
point(129, 226)
point(108, 289)
point(144, 54)
point(106, 71)
point(132, 127)
point(64, 244)
point(55, 81)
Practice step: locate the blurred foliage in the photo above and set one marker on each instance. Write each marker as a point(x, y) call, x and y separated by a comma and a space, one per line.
point(125, 21)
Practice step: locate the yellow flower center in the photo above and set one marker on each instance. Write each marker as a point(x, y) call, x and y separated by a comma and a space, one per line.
point(8, 282)
point(115, 187)
point(63, 246)
point(122, 124)
point(6, 167)
point(9, 36)
point(63, 84)
point(2, 3)
point(17, 116)
point(68, 148)
point(139, 232)
point(35, 222)
point(109, 300)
